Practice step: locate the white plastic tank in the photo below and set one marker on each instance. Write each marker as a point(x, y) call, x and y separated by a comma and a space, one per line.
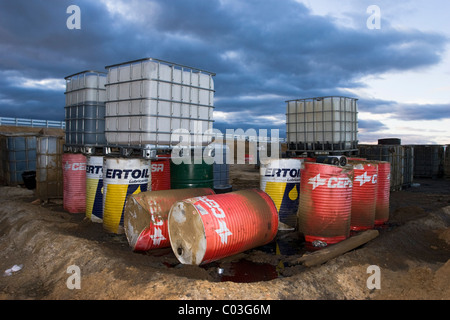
point(147, 99)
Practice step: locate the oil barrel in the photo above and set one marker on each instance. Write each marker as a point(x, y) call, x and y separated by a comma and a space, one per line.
point(325, 204)
point(209, 228)
point(383, 192)
point(161, 173)
point(196, 174)
point(280, 179)
point(121, 178)
point(364, 196)
point(74, 182)
point(94, 188)
point(146, 213)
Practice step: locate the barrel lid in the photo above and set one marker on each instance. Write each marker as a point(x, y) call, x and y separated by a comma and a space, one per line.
point(187, 233)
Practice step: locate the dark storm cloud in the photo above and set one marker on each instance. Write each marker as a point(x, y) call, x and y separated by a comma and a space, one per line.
point(257, 48)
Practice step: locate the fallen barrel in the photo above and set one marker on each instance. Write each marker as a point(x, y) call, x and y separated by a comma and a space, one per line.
point(324, 210)
point(209, 228)
point(146, 213)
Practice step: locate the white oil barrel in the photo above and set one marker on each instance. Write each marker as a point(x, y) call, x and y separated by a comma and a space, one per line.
point(94, 188)
point(121, 178)
point(280, 179)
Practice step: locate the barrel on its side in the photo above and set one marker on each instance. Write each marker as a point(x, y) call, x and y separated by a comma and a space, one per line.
point(209, 228)
point(364, 197)
point(94, 188)
point(121, 178)
point(324, 211)
point(146, 213)
point(280, 179)
point(74, 180)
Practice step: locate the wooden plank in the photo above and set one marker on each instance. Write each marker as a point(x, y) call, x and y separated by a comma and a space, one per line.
point(335, 250)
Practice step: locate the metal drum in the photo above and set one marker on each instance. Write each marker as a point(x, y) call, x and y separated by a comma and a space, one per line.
point(146, 213)
point(121, 178)
point(161, 174)
point(325, 204)
point(280, 179)
point(364, 196)
point(94, 188)
point(74, 182)
point(209, 228)
point(191, 175)
point(383, 192)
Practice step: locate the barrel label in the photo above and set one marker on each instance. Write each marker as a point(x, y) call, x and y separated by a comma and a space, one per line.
point(291, 174)
point(157, 167)
point(127, 176)
point(93, 171)
point(362, 179)
point(223, 232)
point(331, 183)
point(81, 166)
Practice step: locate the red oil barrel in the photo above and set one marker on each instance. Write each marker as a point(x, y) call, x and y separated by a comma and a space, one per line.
point(161, 174)
point(364, 196)
point(383, 192)
point(209, 228)
point(325, 204)
point(74, 182)
point(146, 213)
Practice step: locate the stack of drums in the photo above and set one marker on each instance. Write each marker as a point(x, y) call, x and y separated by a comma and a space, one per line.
point(74, 182)
point(364, 196)
point(209, 228)
point(324, 212)
point(94, 188)
point(121, 178)
point(280, 179)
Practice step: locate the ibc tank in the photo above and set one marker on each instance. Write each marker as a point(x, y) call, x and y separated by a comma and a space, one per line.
point(209, 228)
point(364, 196)
point(280, 179)
point(146, 214)
point(94, 188)
point(121, 178)
point(20, 157)
point(325, 205)
point(74, 179)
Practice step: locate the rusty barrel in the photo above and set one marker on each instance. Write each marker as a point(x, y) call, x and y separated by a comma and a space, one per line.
point(325, 204)
point(94, 188)
point(280, 179)
point(208, 228)
point(364, 196)
point(383, 192)
point(74, 182)
point(122, 177)
point(146, 213)
point(161, 173)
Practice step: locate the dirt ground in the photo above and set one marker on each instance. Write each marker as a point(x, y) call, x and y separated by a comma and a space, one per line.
point(412, 252)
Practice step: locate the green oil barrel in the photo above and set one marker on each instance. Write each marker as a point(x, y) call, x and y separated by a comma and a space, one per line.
point(191, 175)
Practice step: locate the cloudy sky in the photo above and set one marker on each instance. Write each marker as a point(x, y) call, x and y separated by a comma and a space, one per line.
point(264, 52)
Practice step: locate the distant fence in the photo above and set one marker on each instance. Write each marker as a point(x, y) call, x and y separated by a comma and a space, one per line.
point(19, 122)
